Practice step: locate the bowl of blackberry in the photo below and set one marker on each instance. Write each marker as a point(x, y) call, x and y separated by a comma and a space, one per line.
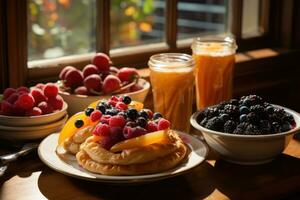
point(248, 130)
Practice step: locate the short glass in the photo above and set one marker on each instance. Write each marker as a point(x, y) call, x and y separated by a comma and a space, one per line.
point(172, 81)
point(215, 58)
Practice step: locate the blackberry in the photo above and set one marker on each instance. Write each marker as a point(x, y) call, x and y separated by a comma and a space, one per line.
point(257, 109)
point(144, 114)
point(251, 100)
point(126, 100)
point(241, 128)
point(132, 113)
point(89, 111)
point(243, 118)
point(229, 126)
point(275, 127)
point(289, 118)
point(215, 124)
point(234, 102)
point(265, 126)
point(78, 123)
point(252, 130)
point(231, 109)
point(221, 105)
point(252, 118)
point(246, 128)
point(211, 112)
point(224, 117)
point(270, 109)
point(203, 122)
point(244, 110)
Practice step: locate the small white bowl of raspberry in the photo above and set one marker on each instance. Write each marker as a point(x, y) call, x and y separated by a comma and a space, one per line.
point(99, 80)
point(32, 107)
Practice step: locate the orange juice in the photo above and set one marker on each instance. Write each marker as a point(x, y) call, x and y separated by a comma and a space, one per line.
point(172, 80)
point(214, 70)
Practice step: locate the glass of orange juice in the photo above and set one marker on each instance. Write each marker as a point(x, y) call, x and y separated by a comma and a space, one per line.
point(215, 58)
point(172, 80)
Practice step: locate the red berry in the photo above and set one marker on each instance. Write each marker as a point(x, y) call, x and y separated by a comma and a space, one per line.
point(26, 101)
point(96, 115)
point(23, 88)
point(102, 130)
point(50, 90)
point(113, 70)
point(56, 102)
point(116, 133)
point(38, 95)
point(35, 111)
point(40, 86)
point(89, 69)
point(73, 78)
point(105, 119)
point(63, 72)
point(117, 121)
point(152, 127)
point(163, 124)
point(121, 106)
point(45, 107)
point(101, 61)
point(7, 92)
point(128, 74)
point(114, 98)
point(106, 142)
point(17, 110)
point(112, 103)
point(135, 88)
point(131, 132)
point(111, 83)
point(82, 90)
point(6, 108)
point(93, 82)
point(13, 98)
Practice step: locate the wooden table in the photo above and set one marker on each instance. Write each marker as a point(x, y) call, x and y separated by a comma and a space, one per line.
point(28, 178)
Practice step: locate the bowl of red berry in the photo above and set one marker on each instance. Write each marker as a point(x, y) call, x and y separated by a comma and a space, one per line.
point(99, 80)
point(31, 109)
point(247, 131)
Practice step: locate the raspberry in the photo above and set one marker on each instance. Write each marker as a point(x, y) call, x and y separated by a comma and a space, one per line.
point(23, 88)
point(13, 98)
point(26, 101)
point(127, 74)
point(50, 90)
point(102, 130)
point(45, 107)
point(117, 121)
point(106, 142)
point(152, 127)
point(35, 111)
point(163, 124)
point(73, 78)
point(93, 82)
point(38, 95)
point(111, 83)
point(56, 102)
point(89, 69)
point(114, 98)
point(8, 92)
point(17, 110)
point(135, 87)
point(105, 119)
point(116, 133)
point(112, 102)
point(82, 90)
point(121, 106)
point(6, 108)
point(101, 61)
point(40, 86)
point(63, 72)
point(96, 115)
point(113, 70)
point(129, 132)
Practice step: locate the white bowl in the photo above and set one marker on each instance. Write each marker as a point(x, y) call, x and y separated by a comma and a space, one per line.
point(31, 132)
point(77, 103)
point(247, 149)
point(17, 121)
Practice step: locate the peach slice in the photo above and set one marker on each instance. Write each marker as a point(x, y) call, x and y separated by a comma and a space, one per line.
point(94, 104)
point(69, 129)
point(144, 140)
point(137, 105)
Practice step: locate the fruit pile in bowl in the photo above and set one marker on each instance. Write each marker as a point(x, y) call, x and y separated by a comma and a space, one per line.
point(31, 113)
point(248, 130)
point(80, 88)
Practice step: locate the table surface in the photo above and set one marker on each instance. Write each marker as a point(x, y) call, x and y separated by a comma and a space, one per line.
point(29, 178)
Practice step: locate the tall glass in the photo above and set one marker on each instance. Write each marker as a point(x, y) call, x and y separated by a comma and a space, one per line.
point(215, 58)
point(172, 80)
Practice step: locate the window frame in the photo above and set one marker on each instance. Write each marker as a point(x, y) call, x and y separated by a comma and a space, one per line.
point(47, 70)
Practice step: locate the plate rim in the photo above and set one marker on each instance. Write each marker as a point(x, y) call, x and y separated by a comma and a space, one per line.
point(126, 179)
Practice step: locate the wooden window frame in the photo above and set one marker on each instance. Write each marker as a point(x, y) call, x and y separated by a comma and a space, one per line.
point(47, 70)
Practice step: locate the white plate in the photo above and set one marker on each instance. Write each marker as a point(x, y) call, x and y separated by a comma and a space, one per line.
point(70, 167)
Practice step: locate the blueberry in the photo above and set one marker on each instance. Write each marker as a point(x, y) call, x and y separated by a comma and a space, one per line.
point(224, 117)
point(101, 107)
point(89, 111)
point(131, 124)
point(247, 103)
point(126, 100)
point(79, 123)
point(141, 121)
point(234, 102)
point(144, 114)
point(132, 113)
point(157, 115)
point(112, 112)
point(244, 110)
point(243, 118)
point(122, 113)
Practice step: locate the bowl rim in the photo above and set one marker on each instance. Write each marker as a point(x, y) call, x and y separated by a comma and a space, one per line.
point(64, 109)
point(295, 114)
point(146, 86)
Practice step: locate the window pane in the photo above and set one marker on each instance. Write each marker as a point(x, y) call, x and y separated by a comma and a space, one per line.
point(199, 17)
point(60, 27)
point(251, 19)
point(136, 22)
